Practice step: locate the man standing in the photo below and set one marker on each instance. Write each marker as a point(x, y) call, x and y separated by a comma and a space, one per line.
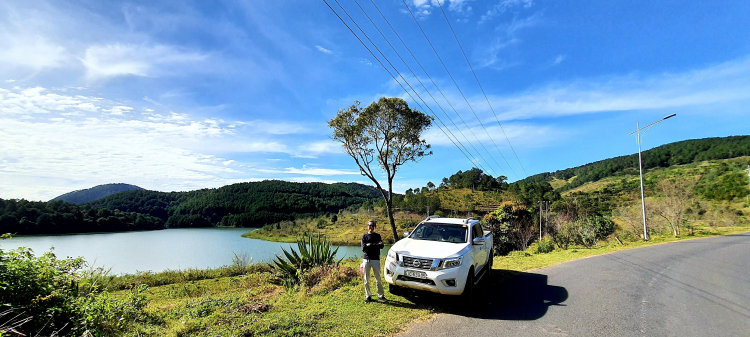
point(372, 243)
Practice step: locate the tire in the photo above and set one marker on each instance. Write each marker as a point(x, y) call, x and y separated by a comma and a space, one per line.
point(488, 265)
point(468, 293)
point(395, 290)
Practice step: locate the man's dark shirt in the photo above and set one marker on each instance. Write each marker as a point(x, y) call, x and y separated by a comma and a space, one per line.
point(372, 252)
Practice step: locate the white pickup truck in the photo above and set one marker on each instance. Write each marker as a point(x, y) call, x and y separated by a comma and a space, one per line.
point(441, 255)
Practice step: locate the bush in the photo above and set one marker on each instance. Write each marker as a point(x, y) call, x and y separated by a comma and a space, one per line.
point(55, 297)
point(584, 231)
point(544, 247)
point(408, 223)
point(313, 252)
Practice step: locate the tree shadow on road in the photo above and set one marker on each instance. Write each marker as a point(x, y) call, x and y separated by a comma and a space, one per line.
point(505, 295)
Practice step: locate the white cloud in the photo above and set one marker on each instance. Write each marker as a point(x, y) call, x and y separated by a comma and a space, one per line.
point(505, 6)
point(490, 55)
point(723, 83)
point(425, 7)
point(320, 147)
point(119, 110)
point(52, 143)
point(33, 52)
point(106, 61)
point(315, 171)
point(559, 59)
point(321, 49)
point(274, 127)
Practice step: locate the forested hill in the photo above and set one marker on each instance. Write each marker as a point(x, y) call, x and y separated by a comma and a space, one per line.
point(241, 205)
point(678, 153)
point(94, 193)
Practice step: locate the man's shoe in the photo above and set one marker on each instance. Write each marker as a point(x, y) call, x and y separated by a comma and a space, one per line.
point(367, 300)
point(382, 299)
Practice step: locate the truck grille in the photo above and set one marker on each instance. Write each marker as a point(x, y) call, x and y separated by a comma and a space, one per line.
point(417, 263)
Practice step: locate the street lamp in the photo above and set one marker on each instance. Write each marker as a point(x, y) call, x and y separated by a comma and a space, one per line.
point(640, 165)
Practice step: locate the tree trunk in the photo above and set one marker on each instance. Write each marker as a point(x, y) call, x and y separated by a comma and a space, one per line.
point(389, 208)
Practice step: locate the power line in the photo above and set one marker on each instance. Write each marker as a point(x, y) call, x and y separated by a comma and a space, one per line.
point(402, 77)
point(457, 87)
point(480, 86)
point(399, 83)
point(423, 86)
point(399, 74)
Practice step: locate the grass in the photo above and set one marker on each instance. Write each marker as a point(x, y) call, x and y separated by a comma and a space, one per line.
point(217, 302)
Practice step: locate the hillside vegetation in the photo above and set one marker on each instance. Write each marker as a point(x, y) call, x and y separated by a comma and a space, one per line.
point(678, 153)
point(252, 204)
point(95, 193)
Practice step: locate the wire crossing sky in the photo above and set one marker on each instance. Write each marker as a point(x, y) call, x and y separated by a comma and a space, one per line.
point(183, 95)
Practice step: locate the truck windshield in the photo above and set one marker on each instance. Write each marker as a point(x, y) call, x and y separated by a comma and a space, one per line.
point(440, 232)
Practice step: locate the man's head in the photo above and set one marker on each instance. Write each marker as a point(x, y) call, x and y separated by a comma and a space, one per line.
point(371, 226)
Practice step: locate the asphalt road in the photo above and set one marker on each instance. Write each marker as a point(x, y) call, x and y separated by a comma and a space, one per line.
point(691, 288)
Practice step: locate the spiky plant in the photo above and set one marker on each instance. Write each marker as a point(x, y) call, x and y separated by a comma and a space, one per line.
point(313, 252)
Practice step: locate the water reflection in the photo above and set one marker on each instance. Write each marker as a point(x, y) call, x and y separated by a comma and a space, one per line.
point(160, 250)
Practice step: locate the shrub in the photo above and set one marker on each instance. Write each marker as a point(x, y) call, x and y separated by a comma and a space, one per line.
point(313, 252)
point(544, 247)
point(54, 297)
point(408, 223)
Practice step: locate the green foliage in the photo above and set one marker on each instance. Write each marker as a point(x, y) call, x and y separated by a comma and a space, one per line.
point(239, 205)
point(586, 231)
point(475, 179)
point(544, 247)
point(386, 134)
point(56, 298)
point(678, 153)
point(723, 182)
point(505, 223)
point(94, 193)
point(313, 252)
point(58, 217)
point(528, 194)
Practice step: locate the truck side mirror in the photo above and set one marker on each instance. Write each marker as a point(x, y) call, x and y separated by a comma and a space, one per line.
point(478, 241)
point(406, 234)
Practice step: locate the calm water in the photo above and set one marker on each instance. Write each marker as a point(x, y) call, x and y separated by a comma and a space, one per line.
point(160, 250)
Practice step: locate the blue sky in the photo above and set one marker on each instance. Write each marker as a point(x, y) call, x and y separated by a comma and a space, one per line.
point(183, 95)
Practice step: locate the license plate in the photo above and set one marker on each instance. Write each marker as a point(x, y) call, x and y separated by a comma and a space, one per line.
point(416, 274)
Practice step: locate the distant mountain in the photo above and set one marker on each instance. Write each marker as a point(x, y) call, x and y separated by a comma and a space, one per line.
point(678, 153)
point(94, 193)
point(241, 205)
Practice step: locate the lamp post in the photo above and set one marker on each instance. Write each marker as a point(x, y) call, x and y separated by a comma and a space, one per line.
point(640, 165)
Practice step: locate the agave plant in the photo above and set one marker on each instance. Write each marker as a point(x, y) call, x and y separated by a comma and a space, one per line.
point(313, 252)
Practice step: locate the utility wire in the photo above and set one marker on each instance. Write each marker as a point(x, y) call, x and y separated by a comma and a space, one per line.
point(457, 87)
point(423, 86)
point(397, 72)
point(480, 87)
point(399, 83)
point(402, 77)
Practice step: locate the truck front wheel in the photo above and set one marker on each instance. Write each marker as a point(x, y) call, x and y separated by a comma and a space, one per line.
point(468, 293)
point(395, 290)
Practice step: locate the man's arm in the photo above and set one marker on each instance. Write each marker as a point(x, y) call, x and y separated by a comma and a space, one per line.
point(362, 242)
point(380, 244)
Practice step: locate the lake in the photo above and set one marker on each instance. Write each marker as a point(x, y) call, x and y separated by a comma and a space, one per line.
point(159, 250)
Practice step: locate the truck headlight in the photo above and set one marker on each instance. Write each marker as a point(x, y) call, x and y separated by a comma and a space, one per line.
point(392, 255)
point(450, 263)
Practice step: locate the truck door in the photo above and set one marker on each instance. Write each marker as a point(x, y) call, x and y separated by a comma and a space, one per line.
point(477, 252)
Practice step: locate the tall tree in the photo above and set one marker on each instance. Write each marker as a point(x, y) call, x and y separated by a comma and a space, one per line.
point(386, 132)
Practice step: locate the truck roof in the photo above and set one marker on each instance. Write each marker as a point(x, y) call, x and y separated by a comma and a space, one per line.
point(456, 221)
